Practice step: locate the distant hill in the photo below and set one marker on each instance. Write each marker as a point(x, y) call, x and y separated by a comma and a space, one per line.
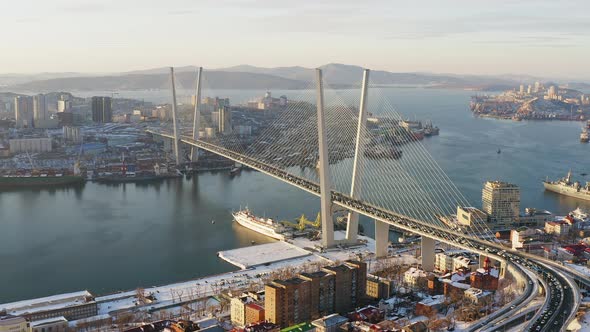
point(213, 79)
point(251, 77)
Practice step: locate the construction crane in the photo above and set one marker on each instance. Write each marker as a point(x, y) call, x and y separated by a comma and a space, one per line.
point(302, 222)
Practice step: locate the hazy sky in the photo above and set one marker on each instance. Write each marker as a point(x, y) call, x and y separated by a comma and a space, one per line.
point(548, 38)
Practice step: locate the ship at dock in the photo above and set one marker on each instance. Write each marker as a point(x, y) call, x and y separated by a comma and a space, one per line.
point(264, 226)
point(565, 186)
point(41, 178)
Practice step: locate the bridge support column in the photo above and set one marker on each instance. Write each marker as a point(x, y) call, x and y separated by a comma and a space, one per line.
point(427, 250)
point(352, 227)
point(381, 238)
point(197, 116)
point(324, 169)
point(174, 119)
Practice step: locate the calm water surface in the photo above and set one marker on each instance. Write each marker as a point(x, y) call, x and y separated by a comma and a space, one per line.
point(109, 238)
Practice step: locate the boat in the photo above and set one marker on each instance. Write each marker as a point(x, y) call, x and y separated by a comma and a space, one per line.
point(565, 186)
point(40, 180)
point(126, 176)
point(584, 136)
point(430, 130)
point(235, 171)
point(264, 226)
point(499, 151)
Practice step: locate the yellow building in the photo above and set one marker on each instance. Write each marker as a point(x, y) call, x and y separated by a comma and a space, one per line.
point(11, 323)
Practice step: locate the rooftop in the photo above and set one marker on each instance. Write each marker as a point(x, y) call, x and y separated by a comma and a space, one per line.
point(10, 320)
point(49, 321)
point(46, 303)
point(500, 184)
point(330, 320)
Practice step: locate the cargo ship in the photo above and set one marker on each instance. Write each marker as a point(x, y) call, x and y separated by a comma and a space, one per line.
point(40, 180)
point(565, 186)
point(264, 226)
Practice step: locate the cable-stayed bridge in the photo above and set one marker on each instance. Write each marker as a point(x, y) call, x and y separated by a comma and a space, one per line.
point(349, 157)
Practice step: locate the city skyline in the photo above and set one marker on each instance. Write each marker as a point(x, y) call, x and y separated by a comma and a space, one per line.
point(455, 37)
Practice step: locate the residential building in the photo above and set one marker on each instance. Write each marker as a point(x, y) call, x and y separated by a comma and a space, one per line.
point(23, 111)
point(478, 296)
point(224, 123)
point(64, 104)
point(40, 113)
point(333, 289)
point(102, 109)
point(557, 228)
point(430, 304)
point(351, 285)
point(254, 313)
point(329, 323)
point(10, 323)
point(238, 310)
point(379, 288)
point(530, 240)
point(414, 277)
point(451, 260)
point(288, 302)
point(501, 200)
point(323, 290)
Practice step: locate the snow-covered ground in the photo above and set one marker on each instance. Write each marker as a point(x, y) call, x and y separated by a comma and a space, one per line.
point(258, 261)
point(262, 254)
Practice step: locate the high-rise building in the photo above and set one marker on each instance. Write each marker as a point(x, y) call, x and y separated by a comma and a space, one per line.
point(288, 302)
point(39, 108)
point(529, 89)
point(101, 109)
point(23, 111)
point(333, 289)
point(537, 87)
point(501, 200)
point(224, 120)
point(552, 93)
point(521, 89)
point(322, 292)
point(351, 285)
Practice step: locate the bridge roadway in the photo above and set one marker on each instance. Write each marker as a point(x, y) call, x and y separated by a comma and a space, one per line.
point(562, 299)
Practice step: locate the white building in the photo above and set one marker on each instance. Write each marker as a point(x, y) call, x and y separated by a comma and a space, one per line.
point(30, 145)
point(23, 111)
point(40, 113)
point(501, 200)
point(413, 276)
point(478, 296)
point(557, 228)
point(467, 216)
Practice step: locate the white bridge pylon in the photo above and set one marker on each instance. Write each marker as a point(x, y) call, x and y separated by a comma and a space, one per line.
point(381, 228)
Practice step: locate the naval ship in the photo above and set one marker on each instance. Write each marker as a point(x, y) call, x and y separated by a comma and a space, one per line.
point(565, 186)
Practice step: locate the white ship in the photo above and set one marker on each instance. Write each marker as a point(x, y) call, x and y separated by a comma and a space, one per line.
point(264, 226)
